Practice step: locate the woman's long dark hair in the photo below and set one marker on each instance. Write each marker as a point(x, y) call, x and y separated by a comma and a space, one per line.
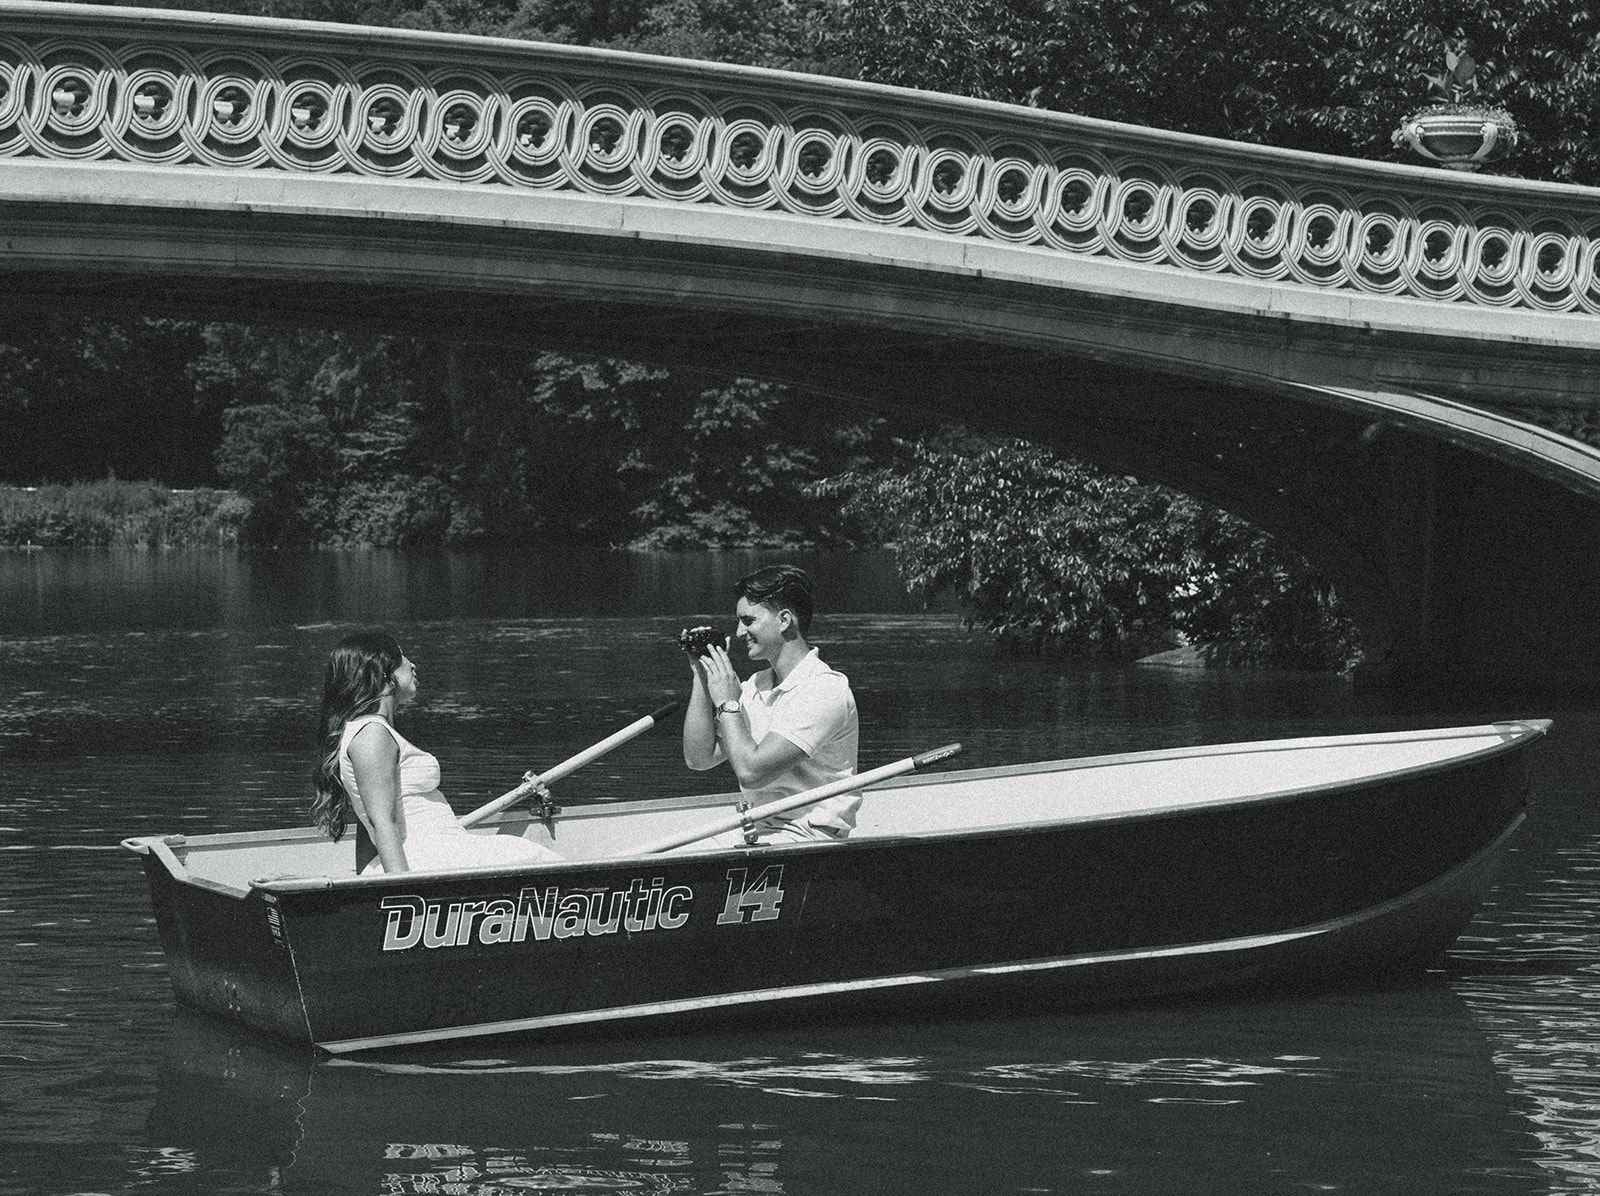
point(360, 669)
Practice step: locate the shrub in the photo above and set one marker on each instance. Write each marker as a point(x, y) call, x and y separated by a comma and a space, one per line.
point(1045, 551)
point(111, 512)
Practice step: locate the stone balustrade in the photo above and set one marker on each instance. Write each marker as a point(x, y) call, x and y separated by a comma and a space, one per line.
point(186, 90)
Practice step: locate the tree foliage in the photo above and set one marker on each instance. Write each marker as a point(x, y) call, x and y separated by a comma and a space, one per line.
point(617, 453)
point(339, 438)
point(1043, 550)
point(82, 397)
point(1336, 77)
point(1247, 600)
point(777, 33)
point(325, 433)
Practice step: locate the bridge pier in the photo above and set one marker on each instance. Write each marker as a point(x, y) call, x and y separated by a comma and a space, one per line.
point(1489, 575)
point(1517, 579)
point(1397, 491)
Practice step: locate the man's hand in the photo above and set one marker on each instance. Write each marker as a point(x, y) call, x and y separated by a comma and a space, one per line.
point(722, 682)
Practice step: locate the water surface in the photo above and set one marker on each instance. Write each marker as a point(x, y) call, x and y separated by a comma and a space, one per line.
point(160, 693)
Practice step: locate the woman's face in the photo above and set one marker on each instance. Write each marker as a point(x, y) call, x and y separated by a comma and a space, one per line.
point(404, 681)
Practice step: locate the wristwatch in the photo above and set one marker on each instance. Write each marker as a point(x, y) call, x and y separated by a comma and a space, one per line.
point(731, 706)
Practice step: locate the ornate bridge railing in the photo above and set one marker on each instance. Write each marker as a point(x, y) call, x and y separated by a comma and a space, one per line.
point(80, 83)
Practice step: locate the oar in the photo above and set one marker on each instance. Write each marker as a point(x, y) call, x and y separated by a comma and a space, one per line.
point(822, 792)
point(568, 766)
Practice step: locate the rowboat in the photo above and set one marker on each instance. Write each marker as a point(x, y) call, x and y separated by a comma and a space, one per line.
point(1104, 879)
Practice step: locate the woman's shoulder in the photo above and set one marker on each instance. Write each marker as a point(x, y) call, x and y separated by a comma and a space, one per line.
point(356, 726)
point(370, 748)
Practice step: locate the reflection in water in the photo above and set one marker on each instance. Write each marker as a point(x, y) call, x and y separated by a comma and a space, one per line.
point(1386, 1092)
point(159, 693)
point(1531, 961)
point(122, 589)
point(1546, 1041)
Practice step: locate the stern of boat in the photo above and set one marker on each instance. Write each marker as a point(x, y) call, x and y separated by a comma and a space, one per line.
point(225, 948)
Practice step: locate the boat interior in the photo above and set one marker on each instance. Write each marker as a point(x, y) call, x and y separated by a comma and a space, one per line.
point(949, 803)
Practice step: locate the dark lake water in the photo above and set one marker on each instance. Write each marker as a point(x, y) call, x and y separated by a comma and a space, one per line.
point(170, 692)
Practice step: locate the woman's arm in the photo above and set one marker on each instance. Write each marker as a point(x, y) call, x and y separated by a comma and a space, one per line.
point(375, 760)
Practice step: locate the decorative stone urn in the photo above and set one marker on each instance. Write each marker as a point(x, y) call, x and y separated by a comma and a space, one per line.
point(1458, 136)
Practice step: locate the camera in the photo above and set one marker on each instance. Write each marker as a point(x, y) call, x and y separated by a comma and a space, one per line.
point(697, 641)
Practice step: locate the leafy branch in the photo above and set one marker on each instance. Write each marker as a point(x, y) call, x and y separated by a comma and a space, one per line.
point(1459, 79)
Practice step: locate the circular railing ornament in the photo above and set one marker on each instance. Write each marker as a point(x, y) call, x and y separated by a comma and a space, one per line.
point(540, 119)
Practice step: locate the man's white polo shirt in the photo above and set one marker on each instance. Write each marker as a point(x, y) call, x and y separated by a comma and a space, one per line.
point(813, 709)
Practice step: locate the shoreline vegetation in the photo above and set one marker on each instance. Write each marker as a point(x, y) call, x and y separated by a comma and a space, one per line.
point(113, 513)
point(1150, 606)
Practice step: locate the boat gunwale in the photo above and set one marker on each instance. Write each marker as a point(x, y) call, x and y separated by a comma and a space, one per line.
point(1514, 733)
point(1519, 728)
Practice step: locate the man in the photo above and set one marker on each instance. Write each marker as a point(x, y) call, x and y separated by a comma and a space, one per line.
point(789, 728)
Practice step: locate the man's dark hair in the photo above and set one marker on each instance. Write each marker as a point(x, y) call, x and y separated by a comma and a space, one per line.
point(780, 586)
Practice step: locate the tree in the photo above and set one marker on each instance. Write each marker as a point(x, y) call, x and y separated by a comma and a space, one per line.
point(618, 453)
point(83, 396)
point(1333, 76)
point(330, 435)
point(278, 456)
point(745, 472)
point(782, 34)
point(1045, 551)
point(339, 438)
point(1246, 600)
point(277, 448)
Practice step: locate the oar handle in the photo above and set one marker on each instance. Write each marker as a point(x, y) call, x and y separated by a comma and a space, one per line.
point(727, 822)
point(568, 766)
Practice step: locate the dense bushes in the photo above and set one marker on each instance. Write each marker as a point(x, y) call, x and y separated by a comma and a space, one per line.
point(106, 513)
point(1046, 551)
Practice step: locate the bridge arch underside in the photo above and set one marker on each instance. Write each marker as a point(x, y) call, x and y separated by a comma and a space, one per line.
point(1461, 534)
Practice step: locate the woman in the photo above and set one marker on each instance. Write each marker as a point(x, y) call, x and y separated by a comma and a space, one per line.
point(369, 769)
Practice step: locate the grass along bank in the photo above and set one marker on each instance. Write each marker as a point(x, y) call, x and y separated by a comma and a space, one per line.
point(112, 512)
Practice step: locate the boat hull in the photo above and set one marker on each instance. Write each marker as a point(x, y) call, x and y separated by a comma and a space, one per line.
point(1300, 888)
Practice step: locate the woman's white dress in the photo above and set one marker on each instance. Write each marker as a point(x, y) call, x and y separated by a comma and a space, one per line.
point(428, 828)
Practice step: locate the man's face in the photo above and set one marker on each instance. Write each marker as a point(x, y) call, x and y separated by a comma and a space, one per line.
point(761, 628)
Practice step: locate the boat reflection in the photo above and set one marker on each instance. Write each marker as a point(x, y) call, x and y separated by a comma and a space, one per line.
point(1546, 1043)
point(1390, 1091)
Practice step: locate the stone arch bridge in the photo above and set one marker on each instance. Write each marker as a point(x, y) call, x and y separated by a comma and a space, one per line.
point(1394, 368)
